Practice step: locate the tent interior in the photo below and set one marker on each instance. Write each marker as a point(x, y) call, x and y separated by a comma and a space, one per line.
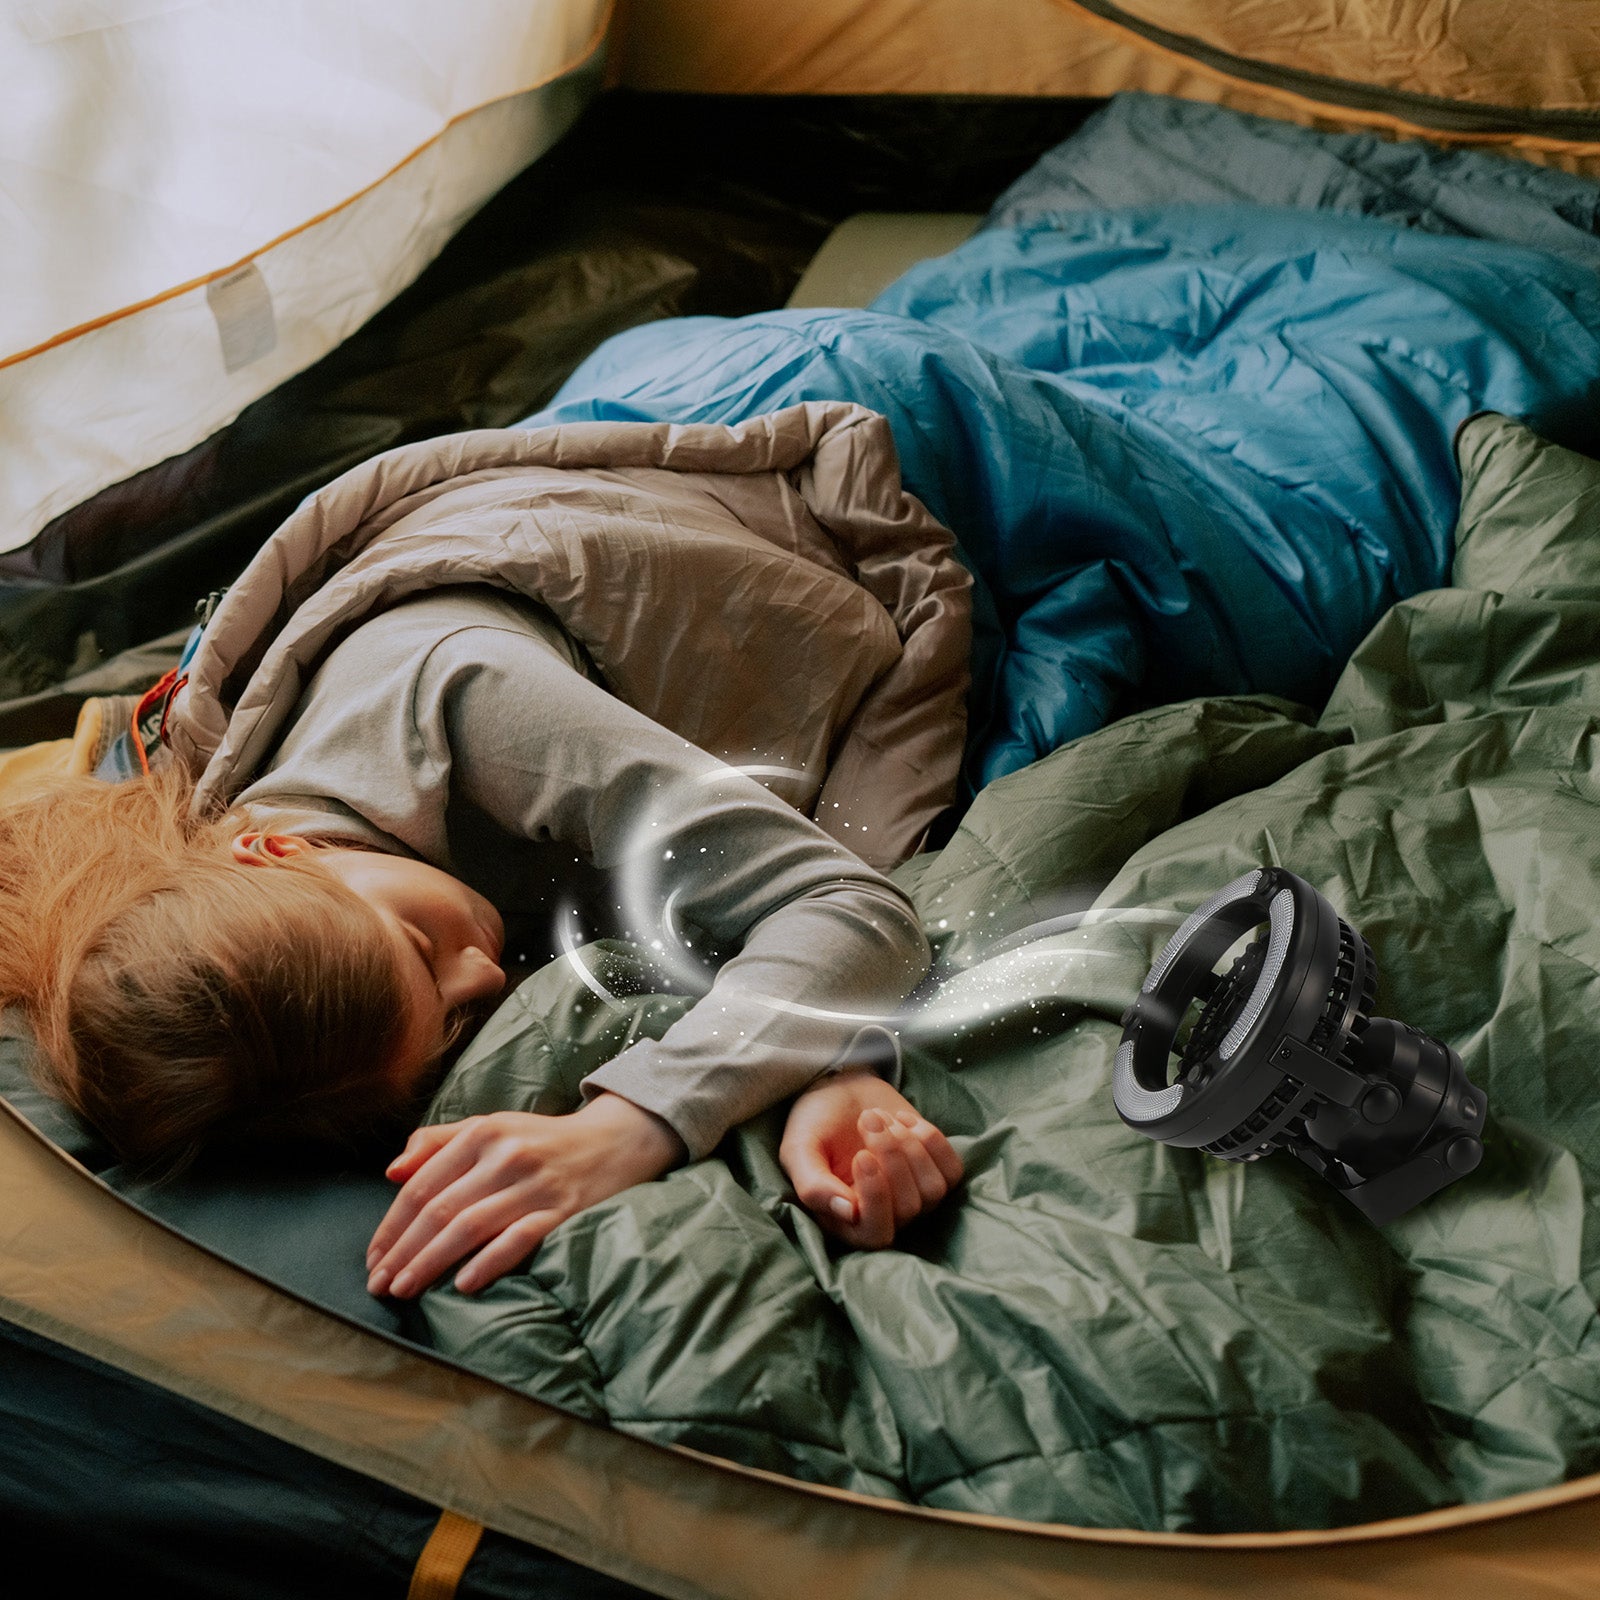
point(318, 237)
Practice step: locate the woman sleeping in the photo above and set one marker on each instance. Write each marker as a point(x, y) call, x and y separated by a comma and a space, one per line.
point(288, 948)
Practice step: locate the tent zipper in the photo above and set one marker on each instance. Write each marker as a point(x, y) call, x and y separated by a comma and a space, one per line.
point(1432, 112)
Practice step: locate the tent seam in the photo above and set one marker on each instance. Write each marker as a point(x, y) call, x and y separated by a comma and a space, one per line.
point(1127, 33)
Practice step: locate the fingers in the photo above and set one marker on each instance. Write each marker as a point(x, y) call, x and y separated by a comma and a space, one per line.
point(874, 1225)
point(425, 1206)
point(497, 1184)
point(915, 1180)
point(939, 1148)
point(419, 1147)
point(910, 1170)
point(884, 1137)
point(444, 1162)
point(499, 1215)
point(820, 1190)
point(507, 1251)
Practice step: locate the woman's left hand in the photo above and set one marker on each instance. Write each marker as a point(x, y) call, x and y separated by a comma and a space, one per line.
point(862, 1160)
point(491, 1188)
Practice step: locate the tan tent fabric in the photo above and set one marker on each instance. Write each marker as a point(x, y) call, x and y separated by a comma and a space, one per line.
point(1025, 47)
point(80, 1266)
point(1325, 63)
point(1454, 50)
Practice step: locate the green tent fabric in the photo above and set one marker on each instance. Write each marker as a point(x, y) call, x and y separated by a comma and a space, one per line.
point(1101, 1330)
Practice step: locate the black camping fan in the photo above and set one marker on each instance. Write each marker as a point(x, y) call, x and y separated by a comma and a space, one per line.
point(1286, 1056)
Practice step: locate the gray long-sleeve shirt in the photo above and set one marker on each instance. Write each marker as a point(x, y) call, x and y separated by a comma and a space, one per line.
point(465, 726)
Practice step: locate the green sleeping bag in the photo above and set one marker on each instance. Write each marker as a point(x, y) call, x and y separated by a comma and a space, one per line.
point(1096, 1329)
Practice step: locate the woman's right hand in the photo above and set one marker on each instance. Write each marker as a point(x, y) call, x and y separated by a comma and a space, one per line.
point(490, 1189)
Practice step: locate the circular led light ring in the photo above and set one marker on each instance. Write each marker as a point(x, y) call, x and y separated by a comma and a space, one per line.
point(1239, 889)
point(1281, 911)
point(1133, 1100)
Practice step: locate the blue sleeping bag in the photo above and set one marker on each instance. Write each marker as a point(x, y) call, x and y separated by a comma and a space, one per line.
point(1188, 449)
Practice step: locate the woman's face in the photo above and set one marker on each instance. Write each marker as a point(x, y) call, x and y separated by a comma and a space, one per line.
point(447, 938)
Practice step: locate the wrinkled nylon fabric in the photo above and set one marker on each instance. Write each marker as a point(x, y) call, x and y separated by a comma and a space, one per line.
point(1460, 51)
point(1099, 1329)
point(1187, 448)
point(1151, 149)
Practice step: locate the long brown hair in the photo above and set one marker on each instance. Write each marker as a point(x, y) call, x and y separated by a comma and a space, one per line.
point(178, 998)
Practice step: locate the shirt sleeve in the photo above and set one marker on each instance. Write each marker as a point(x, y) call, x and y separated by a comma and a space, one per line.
point(826, 948)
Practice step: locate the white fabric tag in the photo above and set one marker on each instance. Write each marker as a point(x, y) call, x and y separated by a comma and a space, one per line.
point(242, 305)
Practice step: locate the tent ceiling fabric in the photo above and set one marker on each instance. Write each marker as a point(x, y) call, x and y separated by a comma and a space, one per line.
point(1028, 47)
point(1467, 50)
point(212, 194)
point(1461, 70)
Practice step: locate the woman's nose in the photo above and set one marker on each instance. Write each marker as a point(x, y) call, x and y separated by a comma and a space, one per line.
point(472, 976)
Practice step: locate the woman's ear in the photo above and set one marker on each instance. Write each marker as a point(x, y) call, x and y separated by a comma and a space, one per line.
point(256, 849)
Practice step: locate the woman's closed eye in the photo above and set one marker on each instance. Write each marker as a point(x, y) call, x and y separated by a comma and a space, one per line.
point(423, 945)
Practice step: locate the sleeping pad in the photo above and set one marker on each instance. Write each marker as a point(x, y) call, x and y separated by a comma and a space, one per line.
point(1187, 448)
point(1097, 1329)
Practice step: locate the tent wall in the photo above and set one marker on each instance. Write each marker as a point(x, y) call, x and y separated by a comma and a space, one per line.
point(1523, 75)
point(1019, 47)
point(82, 1269)
point(232, 1514)
point(210, 196)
